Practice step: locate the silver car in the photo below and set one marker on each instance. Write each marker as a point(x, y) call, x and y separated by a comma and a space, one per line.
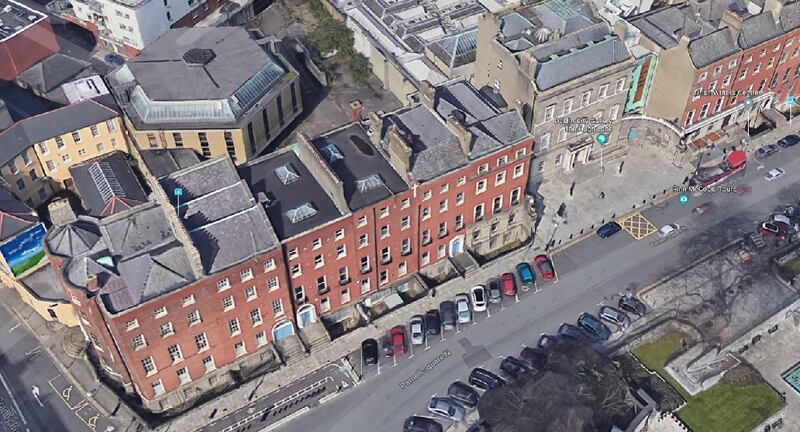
point(462, 308)
point(446, 408)
point(417, 327)
point(615, 317)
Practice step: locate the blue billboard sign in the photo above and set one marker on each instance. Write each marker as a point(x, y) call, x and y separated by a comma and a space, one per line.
point(25, 250)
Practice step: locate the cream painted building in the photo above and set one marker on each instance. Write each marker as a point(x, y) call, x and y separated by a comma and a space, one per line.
point(220, 91)
point(36, 153)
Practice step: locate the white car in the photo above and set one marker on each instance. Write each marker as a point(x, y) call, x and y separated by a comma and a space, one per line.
point(774, 173)
point(668, 230)
point(446, 408)
point(462, 308)
point(417, 327)
point(479, 298)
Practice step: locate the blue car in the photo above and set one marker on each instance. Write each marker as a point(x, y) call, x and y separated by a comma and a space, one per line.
point(608, 229)
point(525, 273)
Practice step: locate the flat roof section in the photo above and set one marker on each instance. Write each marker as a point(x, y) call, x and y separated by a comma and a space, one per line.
point(293, 199)
point(15, 18)
point(367, 176)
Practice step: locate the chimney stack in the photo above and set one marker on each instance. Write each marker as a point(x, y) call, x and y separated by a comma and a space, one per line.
point(399, 152)
point(91, 283)
point(732, 20)
point(463, 134)
point(427, 93)
point(61, 212)
point(375, 126)
point(355, 111)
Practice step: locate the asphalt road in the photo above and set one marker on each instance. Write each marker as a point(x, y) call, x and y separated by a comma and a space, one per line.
point(592, 272)
point(23, 366)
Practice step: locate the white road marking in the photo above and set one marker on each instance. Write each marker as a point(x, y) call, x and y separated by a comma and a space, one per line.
point(13, 399)
point(14, 327)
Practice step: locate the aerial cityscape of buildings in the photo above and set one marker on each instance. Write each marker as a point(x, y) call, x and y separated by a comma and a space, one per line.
point(162, 197)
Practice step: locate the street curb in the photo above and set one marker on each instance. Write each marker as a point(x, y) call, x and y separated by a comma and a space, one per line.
point(560, 248)
point(694, 263)
point(286, 419)
point(58, 363)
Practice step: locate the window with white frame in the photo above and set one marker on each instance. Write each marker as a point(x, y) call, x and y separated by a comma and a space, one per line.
point(483, 168)
point(497, 204)
point(183, 375)
point(402, 269)
point(459, 222)
point(405, 247)
point(316, 243)
point(261, 339)
point(520, 153)
point(385, 231)
point(386, 255)
point(338, 234)
point(319, 261)
point(187, 300)
point(344, 275)
point(149, 366)
point(478, 213)
point(325, 305)
point(544, 142)
point(344, 295)
point(223, 284)
point(130, 325)
point(480, 187)
point(384, 277)
point(515, 196)
point(562, 134)
point(341, 251)
point(255, 317)
point(426, 258)
point(293, 253)
point(459, 198)
point(363, 240)
point(239, 349)
point(567, 108)
point(362, 220)
point(500, 178)
point(233, 326)
point(586, 98)
point(427, 195)
point(426, 213)
point(603, 91)
point(269, 265)
point(228, 303)
point(175, 353)
point(201, 341)
point(383, 212)
point(405, 203)
point(405, 222)
point(277, 307)
point(208, 364)
point(139, 342)
point(462, 180)
point(620, 85)
point(549, 113)
point(613, 112)
point(440, 251)
point(295, 270)
point(160, 312)
point(193, 318)
point(442, 206)
point(166, 329)
point(246, 274)
point(272, 283)
point(250, 293)
point(364, 264)
point(444, 188)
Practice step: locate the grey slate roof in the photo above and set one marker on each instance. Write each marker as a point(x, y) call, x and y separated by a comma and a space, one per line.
point(32, 130)
point(126, 192)
point(15, 217)
point(136, 231)
point(50, 73)
point(224, 220)
point(758, 29)
point(44, 285)
point(361, 160)
point(162, 162)
point(277, 198)
point(712, 48)
point(790, 16)
point(74, 239)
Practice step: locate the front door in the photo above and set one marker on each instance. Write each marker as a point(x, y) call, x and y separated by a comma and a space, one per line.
point(457, 246)
point(306, 315)
point(575, 158)
point(282, 331)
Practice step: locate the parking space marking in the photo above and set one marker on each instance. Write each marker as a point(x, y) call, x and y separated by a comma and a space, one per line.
point(637, 226)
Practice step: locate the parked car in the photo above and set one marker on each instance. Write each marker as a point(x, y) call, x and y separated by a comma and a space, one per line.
point(668, 230)
point(447, 310)
point(494, 290)
point(446, 408)
point(632, 305)
point(608, 229)
point(545, 267)
point(546, 342)
point(463, 394)
point(569, 331)
point(369, 351)
point(615, 317)
point(509, 284)
point(513, 367)
point(386, 343)
point(774, 174)
point(433, 323)
point(785, 222)
point(397, 336)
point(765, 151)
point(462, 308)
point(421, 424)
point(704, 208)
point(525, 273)
point(416, 326)
point(592, 325)
point(534, 358)
point(485, 380)
point(770, 229)
point(789, 140)
point(479, 301)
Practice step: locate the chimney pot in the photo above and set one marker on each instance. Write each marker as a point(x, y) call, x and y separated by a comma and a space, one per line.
point(355, 111)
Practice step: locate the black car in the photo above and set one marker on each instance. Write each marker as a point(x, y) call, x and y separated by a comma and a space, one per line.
point(569, 331)
point(447, 313)
point(546, 342)
point(493, 287)
point(632, 305)
point(463, 394)
point(592, 325)
point(421, 424)
point(608, 229)
point(534, 358)
point(512, 367)
point(433, 323)
point(369, 351)
point(485, 380)
point(789, 140)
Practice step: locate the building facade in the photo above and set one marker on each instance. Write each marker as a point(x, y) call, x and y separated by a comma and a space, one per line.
point(26, 38)
point(38, 151)
point(564, 69)
point(219, 91)
point(723, 65)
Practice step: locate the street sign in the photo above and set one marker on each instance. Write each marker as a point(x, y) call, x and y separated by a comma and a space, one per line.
point(178, 192)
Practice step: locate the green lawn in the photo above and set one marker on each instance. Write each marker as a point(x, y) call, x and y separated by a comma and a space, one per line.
point(790, 269)
point(722, 408)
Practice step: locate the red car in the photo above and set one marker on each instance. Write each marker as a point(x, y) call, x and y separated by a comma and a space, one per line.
point(398, 340)
point(545, 267)
point(509, 285)
point(769, 229)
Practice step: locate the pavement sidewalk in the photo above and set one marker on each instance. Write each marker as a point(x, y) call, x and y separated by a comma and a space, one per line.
point(77, 370)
